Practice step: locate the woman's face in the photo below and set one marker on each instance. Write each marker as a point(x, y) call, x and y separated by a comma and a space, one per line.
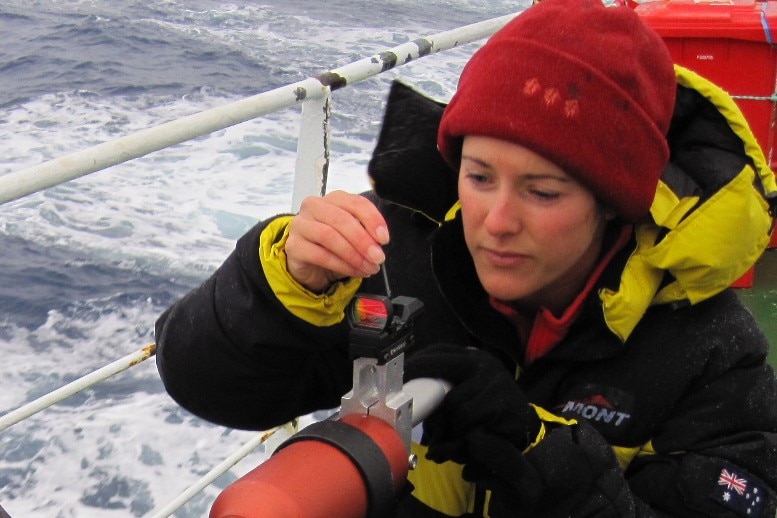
point(534, 232)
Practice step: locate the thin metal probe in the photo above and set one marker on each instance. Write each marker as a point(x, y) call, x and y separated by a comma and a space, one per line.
point(385, 280)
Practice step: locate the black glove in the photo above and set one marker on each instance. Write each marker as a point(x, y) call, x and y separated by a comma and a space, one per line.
point(484, 422)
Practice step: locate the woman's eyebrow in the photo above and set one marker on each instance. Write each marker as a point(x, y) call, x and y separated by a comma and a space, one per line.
point(477, 160)
point(528, 176)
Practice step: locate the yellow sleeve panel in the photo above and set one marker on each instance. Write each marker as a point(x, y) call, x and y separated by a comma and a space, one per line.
point(319, 309)
point(625, 455)
point(440, 486)
point(549, 418)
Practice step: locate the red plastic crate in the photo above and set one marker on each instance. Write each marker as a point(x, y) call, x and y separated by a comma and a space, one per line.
point(730, 44)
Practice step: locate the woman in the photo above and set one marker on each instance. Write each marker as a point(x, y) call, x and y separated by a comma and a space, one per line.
point(588, 379)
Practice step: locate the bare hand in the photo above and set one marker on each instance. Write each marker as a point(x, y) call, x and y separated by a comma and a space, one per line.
point(333, 237)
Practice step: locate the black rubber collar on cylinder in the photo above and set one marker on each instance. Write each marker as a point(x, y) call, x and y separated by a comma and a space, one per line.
point(368, 458)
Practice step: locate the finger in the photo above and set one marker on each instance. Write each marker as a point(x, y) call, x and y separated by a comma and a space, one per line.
point(306, 253)
point(364, 211)
point(339, 223)
point(335, 236)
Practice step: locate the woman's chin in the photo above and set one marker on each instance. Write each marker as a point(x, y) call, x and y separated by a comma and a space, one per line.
point(505, 289)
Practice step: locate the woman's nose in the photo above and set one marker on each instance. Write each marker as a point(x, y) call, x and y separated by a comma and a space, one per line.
point(503, 216)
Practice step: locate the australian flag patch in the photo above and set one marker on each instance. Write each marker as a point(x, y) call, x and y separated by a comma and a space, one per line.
point(737, 490)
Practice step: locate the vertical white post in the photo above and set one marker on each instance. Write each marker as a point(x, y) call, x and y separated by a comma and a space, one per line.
point(312, 165)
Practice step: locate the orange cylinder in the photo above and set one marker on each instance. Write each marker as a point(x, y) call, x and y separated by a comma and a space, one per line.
point(321, 476)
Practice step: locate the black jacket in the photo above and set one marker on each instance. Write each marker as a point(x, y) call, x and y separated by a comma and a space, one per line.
point(666, 418)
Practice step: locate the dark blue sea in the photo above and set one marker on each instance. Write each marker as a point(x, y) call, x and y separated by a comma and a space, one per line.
point(86, 267)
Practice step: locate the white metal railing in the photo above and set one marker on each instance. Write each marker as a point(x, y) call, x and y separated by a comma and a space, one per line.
point(308, 91)
point(314, 94)
point(74, 387)
point(223, 467)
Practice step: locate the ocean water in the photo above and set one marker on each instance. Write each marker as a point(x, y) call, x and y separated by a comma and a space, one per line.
point(85, 268)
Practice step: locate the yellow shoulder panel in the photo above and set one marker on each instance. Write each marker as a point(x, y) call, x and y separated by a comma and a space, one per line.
point(705, 245)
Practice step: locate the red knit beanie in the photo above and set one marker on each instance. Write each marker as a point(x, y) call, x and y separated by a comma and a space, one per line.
point(588, 87)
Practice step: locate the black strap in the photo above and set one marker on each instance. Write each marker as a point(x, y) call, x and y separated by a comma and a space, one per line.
point(366, 456)
point(771, 198)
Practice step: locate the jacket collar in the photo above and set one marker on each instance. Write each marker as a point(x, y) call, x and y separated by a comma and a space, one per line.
point(457, 280)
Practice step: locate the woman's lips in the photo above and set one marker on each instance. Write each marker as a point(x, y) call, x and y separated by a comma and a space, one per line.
point(503, 258)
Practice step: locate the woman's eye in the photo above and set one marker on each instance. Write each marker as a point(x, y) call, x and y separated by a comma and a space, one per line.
point(478, 178)
point(545, 195)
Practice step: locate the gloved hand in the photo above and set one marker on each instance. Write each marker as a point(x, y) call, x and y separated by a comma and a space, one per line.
point(485, 421)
